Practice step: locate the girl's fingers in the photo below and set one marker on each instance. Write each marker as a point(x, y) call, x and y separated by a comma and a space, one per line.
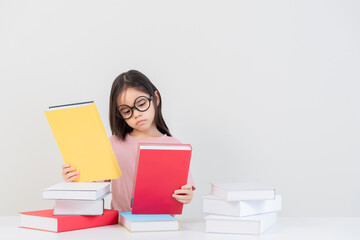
point(68, 173)
point(187, 186)
point(72, 178)
point(184, 195)
point(67, 170)
point(181, 197)
point(183, 191)
point(71, 174)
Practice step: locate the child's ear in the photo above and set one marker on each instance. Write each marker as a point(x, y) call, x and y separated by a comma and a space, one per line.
point(157, 98)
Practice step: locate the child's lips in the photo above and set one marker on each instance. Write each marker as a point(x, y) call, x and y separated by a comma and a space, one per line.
point(141, 122)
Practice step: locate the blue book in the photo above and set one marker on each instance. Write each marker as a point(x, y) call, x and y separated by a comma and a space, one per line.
point(148, 222)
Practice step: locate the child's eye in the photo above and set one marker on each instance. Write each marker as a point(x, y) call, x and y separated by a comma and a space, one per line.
point(125, 111)
point(141, 103)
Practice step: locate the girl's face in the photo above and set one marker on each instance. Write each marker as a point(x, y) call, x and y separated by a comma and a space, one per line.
point(141, 122)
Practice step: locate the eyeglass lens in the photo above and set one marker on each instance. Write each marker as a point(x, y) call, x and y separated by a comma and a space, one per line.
point(141, 104)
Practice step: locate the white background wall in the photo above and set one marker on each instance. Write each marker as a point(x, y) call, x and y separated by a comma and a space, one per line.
point(263, 90)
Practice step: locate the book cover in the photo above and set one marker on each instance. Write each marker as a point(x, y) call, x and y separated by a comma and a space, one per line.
point(83, 142)
point(242, 191)
point(148, 222)
point(252, 225)
point(160, 170)
point(76, 191)
point(45, 220)
point(216, 205)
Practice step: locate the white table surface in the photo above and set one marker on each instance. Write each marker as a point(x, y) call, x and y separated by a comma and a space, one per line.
point(286, 228)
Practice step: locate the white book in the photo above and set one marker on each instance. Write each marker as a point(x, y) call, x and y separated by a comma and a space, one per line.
point(80, 207)
point(252, 225)
point(242, 191)
point(76, 191)
point(216, 205)
point(148, 222)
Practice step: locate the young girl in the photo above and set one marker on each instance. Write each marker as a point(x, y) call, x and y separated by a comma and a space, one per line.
point(135, 116)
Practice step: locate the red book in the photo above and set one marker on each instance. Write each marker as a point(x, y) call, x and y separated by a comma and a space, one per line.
point(160, 170)
point(45, 220)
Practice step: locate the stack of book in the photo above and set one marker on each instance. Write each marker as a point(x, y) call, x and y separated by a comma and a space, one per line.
point(241, 208)
point(84, 144)
point(77, 206)
point(152, 208)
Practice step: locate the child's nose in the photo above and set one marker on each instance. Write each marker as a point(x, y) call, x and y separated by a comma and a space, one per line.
point(136, 113)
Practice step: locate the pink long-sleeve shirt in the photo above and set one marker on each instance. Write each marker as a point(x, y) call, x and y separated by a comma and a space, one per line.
point(126, 154)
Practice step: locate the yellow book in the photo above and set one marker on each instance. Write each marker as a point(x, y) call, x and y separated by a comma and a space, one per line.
point(83, 142)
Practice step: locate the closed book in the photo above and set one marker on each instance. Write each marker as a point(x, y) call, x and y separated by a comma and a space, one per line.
point(216, 205)
point(79, 207)
point(160, 170)
point(252, 225)
point(242, 191)
point(76, 191)
point(148, 222)
point(82, 141)
point(45, 220)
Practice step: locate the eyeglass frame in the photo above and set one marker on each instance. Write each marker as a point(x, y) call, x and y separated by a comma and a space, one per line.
point(131, 108)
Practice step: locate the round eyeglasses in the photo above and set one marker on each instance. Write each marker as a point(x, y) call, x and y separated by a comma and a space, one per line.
point(141, 104)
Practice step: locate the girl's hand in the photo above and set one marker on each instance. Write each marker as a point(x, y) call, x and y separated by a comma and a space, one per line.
point(185, 194)
point(68, 173)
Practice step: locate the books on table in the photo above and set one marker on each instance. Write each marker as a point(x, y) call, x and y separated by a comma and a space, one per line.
point(46, 221)
point(242, 191)
point(255, 224)
point(216, 205)
point(241, 207)
point(76, 191)
point(78, 198)
point(160, 170)
point(83, 142)
point(148, 222)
